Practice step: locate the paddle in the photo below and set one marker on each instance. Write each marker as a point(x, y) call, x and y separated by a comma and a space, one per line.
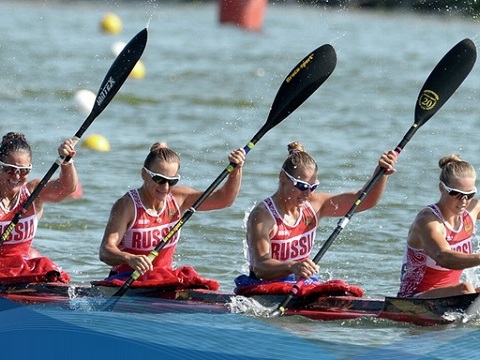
point(444, 80)
point(113, 81)
point(302, 82)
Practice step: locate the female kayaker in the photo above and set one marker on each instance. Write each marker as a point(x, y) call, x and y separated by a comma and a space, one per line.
point(281, 229)
point(439, 242)
point(19, 262)
point(141, 218)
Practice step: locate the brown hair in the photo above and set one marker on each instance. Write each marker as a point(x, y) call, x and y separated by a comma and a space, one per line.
point(298, 158)
point(14, 142)
point(453, 167)
point(160, 151)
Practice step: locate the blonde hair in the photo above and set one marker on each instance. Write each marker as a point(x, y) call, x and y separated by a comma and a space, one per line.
point(298, 158)
point(159, 150)
point(453, 167)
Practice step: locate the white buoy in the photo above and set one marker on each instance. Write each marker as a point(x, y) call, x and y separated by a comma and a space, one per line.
point(117, 47)
point(84, 100)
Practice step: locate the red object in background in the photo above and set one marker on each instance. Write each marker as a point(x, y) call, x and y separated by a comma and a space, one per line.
point(247, 14)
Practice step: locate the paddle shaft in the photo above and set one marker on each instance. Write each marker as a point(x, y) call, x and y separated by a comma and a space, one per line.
point(301, 82)
point(443, 81)
point(113, 81)
point(366, 190)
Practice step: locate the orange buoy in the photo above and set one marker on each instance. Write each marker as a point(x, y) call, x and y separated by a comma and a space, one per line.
point(248, 14)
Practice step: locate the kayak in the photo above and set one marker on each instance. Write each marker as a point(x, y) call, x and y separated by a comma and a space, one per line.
point(423, 312)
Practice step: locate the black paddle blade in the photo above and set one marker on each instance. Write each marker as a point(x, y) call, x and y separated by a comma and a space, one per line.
point(302, 82)
point(116, 76)
point(444, 80)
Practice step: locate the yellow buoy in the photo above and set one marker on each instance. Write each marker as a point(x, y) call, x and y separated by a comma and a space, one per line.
point(111, 24)
point(96, 142)
point(138, 71)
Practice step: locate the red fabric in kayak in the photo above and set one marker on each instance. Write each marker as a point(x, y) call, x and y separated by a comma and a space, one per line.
point(185, 277)
point(15, 269)
point(328, 288)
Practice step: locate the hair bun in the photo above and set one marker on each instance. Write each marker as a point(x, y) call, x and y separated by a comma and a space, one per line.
point(295, 147)
point(444, 161)
point(13, 136)
point(158, 145)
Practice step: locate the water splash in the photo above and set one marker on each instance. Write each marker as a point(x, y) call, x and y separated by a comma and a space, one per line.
point(246, 265)
point(248, 306)
point(463, 318)
point(86, 303)
point(83, 303)
point(152, 9)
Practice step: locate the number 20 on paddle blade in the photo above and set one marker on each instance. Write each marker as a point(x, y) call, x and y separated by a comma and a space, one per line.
point(445, 79)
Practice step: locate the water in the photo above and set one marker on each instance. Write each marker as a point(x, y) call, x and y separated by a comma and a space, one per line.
point(208, 89)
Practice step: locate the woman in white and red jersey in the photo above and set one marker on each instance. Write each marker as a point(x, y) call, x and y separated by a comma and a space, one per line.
point(281, 229)
point(439, 242)
point(141, 218)
point(19, 262)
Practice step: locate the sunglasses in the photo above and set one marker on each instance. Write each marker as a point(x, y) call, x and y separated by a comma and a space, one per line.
point(302, 185)
point(459, 194)
point(162, 179)
point(13, 169)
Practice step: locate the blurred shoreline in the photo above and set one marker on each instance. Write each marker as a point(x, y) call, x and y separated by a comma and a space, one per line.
point(469, 8)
